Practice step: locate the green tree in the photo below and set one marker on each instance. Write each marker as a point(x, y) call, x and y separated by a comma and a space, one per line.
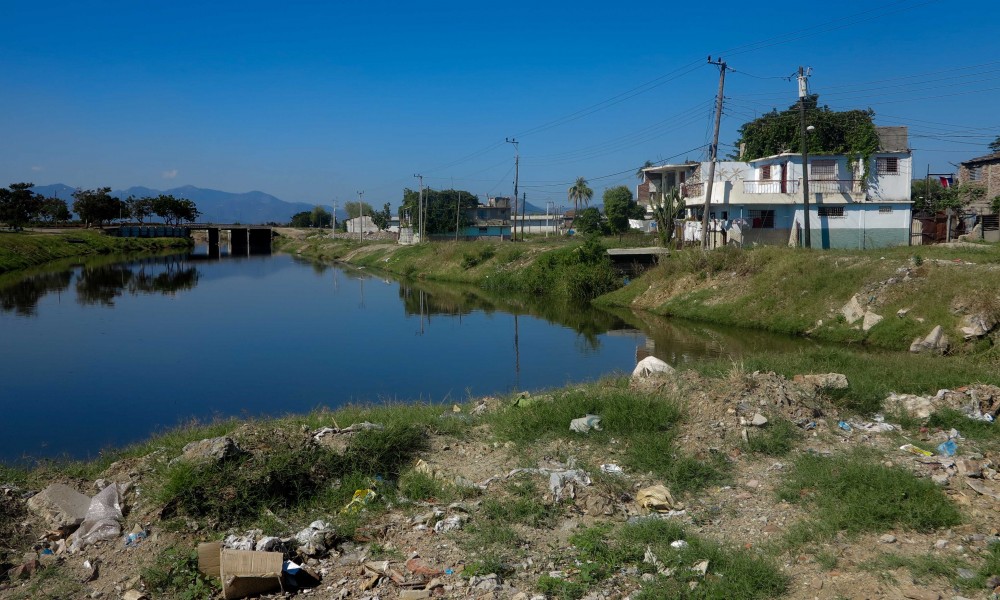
point(353, 209)
point(930, 196)
point(995, 145)
point(54, 210)
point(139, 208)
point(579, 192)
point(850, 132)
point(19, 205)
point(440, 208)
point(665, 210)
point(320, 217)
point(382, 217)
point(302, 219)
point(619, 207)
point(174, 210)
point(94, 207)
point(589, 221)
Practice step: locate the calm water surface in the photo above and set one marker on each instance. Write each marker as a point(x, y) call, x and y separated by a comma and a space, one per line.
point(106, 353)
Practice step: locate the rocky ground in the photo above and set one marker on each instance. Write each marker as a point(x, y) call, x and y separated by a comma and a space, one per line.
point(442, 547)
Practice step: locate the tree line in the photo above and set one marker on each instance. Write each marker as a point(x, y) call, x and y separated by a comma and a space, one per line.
point(20, 205)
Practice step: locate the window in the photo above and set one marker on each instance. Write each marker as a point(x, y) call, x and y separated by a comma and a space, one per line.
point(976, 173)
point(887, 165)
point(765, 172)
point(823, 169)
point(762, 219)
point(831, 211)
point(885, 210)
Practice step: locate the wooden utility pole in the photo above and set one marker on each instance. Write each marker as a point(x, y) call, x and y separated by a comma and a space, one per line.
point(714, 150)
point(458, 209)
point(517, 160)
point(803, 93)
point(420, 208)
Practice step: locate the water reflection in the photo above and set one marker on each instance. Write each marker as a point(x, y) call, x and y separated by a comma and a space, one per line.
point(100, 283)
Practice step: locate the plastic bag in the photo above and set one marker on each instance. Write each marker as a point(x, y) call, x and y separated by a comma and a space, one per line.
point(103, 520)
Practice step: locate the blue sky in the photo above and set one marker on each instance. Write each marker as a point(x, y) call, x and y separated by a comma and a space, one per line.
point(314, 101)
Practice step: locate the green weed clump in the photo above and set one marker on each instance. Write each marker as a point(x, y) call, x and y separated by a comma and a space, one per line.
point(174, 575)
point(580, 273)
point(777, 439)
point(601, 551)
point(855, 493)
point(237, 491)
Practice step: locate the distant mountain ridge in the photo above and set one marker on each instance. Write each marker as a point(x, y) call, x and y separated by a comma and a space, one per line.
point(216, 206)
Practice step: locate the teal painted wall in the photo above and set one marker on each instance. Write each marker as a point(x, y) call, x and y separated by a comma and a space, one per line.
point(868, 238)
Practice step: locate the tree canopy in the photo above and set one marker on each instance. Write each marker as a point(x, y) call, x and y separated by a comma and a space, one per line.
point(994, 146)
point(353, 209)
point(619, 207)
point(317, 217)
point(441, 205)
point(579, 193)
point(589, 221)
point(850, 132)
point(174, 210)
point(19, 204)
point(931, 196)
point(97, 206)
point(382, 217)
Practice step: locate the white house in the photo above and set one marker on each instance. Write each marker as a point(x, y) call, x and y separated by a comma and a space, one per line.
point(760, 201)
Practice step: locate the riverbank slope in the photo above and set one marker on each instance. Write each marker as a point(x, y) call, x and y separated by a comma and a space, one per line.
point(24, 250)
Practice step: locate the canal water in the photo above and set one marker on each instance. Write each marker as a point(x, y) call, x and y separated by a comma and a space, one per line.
point(105, 353)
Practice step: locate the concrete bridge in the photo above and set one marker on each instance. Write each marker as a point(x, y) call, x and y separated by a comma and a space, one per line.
point(243, 239)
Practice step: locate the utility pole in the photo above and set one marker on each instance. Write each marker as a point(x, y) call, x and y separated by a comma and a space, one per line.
point(420, 208)
point(803, 93)
point(517, 160)
point(714, 150)
point(458, 209)
point(333, 221)
point(524, 209)
point(361, 215)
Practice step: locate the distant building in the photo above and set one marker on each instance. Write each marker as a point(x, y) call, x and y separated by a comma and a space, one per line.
point(363, 224)
point(984, 172)
point(490, 220)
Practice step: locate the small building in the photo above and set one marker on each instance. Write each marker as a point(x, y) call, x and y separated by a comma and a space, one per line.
point(760, 201)
point(984, 172)
point(361, 224)
point(488, 221)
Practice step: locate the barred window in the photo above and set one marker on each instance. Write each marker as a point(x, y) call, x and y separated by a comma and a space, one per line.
point(831, 211)
point(823, 169)
point(887, 165)
point(975, 173)
point(762, 219)
point(885, 210)
point(765, 172)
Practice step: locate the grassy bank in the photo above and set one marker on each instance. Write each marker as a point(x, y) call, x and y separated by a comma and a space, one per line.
point(486, 465)
point(28, 249)
point(800, 292)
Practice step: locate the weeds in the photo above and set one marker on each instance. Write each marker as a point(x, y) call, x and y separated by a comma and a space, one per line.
point(777, 439)
point(174, 575)
point(854, 493)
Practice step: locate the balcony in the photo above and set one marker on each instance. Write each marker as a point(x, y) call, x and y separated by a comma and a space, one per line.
point(816, 186)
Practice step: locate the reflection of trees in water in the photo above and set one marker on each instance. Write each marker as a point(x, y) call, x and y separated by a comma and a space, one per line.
point(23, 296)
point(457, 300)
point(100, 284)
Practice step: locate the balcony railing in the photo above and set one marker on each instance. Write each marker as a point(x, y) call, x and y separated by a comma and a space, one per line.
point(816, 186)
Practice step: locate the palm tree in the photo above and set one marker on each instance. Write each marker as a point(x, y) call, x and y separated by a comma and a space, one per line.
point(639, 174)
point(579, 192)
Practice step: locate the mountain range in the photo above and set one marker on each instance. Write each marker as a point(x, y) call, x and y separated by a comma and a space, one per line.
point(216, 206)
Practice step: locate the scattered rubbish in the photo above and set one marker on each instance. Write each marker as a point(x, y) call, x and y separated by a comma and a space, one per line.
point(947, 448)
point(844, 425)
point(243, 572)
point(650, 558)
point(449, 571)
point(585, 424)
point(60, 506)
point(319, 434)
point(135, 538)
point(244, 542)
point(612, 469)
point(657, 498)
point(701, 568)
point(102, 521)
point(651, 366)
point(314, 539)
point(451, 523)
point(915, 450)
point(678, 544)
point(92, 570)
point(296, 577)
point(561, 483)
point(982, 488)
point(876, 425)
point(808, 425)
point(360, 499)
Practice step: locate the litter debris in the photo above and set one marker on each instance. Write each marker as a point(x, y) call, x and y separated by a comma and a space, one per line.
point(561, 483)
point(947, 448)
point(360, 499)
point(243, 572)
point(657, 498)
point(316, 538)
point(135, 538)
point(915, 450)
point(844, 425)
point(678, 544)
point(612, 469)
point(651, 366)
point(701, 568)
point(451, 523)
point(585, 424)
point(102, 521)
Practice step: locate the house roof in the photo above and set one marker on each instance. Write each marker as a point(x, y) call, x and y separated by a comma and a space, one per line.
point(983, 159)
point(893, 139)
point(665, 168)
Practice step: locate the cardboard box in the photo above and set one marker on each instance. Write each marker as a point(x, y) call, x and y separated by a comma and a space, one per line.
point(243, 572)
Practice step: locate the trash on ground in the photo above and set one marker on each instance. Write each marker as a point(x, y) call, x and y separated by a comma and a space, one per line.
point(915, 450)
point(947, 448)
point(315, 539)
point(612, 469)
point(678, 544)
point(585, 424)
point(657, 498)
point(844, 425)
point(449, 524)
point(562, 483)
point(103, 520)
point(135, 538)
point(243, 572)
point(651, 366)
point(360, 499)
point(296, 577)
